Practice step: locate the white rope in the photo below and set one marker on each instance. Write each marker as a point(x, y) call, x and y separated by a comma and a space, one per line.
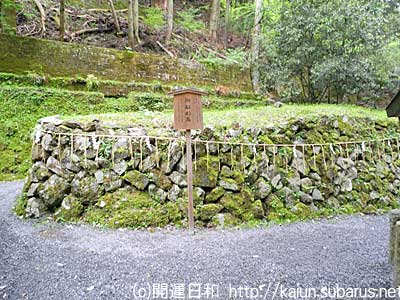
point(274, 146)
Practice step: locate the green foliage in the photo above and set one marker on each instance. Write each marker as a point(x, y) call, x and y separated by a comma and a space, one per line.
point(154, 18)
point(235, 56)
point(387, 65)
point(187, 19)
point(92, 83)
point(148, 101)
point(322, 48)
point(242, 17)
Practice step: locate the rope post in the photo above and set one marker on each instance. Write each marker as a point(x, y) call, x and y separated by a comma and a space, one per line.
point(190, 179)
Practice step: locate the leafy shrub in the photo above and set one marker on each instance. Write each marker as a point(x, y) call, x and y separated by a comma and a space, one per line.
point(187, 20)
point(148, 101)
point(233, 57)
point(154, 18)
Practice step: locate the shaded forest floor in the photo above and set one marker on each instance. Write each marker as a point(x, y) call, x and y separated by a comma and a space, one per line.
point(93, 24)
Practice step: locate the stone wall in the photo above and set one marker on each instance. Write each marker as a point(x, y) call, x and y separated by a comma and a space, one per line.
point(139, 182)
point(21, 55)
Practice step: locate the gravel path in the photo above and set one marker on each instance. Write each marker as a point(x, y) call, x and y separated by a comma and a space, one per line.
point(54, 261)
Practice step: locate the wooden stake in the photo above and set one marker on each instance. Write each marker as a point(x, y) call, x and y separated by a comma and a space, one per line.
point(189, 179)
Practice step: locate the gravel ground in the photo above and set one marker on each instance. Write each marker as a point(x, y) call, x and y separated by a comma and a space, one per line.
point(55, 261)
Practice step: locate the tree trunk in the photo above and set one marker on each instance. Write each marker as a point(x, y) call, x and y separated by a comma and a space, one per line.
point(116, 21)
point(136, 20)
point(256, 45)
point(214, 19)
point(227, 21)
point(131, 36)
point(42, 15)
point(170, 19)
point(62, 20)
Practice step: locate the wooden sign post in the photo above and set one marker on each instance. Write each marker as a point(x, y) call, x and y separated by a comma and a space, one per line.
point(188, 115)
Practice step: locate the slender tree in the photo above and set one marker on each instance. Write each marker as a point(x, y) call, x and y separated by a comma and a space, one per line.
point(256, 45)
point(170, 19)
point(131, 36)
point(136, 20)
point(133, 23)
point(116, 21)
point(227, 22)
point(62, 20)
point(214, 16)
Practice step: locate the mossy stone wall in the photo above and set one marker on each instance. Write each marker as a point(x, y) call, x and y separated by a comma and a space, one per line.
point(21, 55)
point(126, 181)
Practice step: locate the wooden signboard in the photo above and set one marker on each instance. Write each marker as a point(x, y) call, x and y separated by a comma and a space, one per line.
point(188, 115)
point(188, 110)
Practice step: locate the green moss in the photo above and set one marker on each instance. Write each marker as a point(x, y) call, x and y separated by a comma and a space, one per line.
point(215, 195)
point(137, 179)
point(208, 211)
point(20, 204)
point(71, 213)
point(206, 172)
point(233, 203)
point(227, 220)
point(132, 209)
point(19, 54)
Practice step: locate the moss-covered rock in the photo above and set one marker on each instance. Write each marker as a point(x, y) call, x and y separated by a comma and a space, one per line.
point(137, 179)
point(208, 211)
point(204, 176)
point(257, 209)
point(262, 189)
point(225, 220)
point(54, 190)
point(215, 195)
point(71, 209)
point(233, 203)
point(86, 189)
point(128, 208)
point(302, 210)
point(229, 184)
point(160, 179)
